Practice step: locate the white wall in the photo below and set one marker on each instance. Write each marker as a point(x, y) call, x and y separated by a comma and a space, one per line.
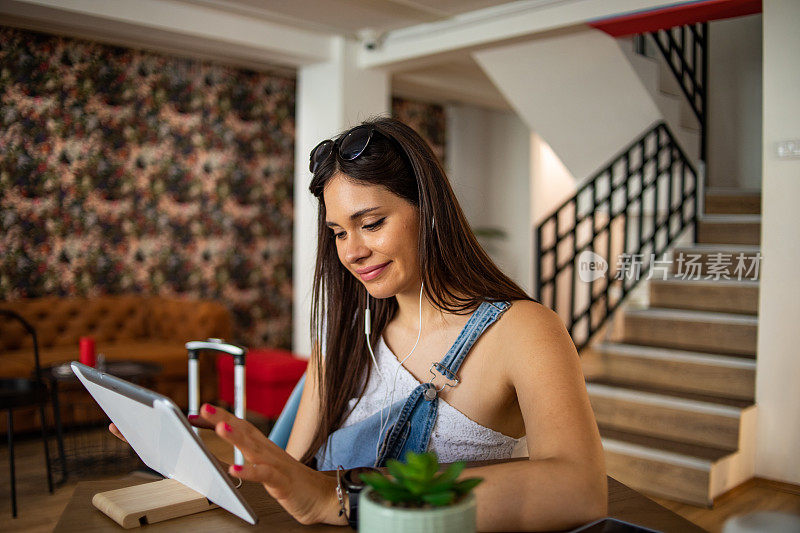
point(331, 96)
point(778, 363)
point(551, 185)
point(734, 102)
point(467, 171)
point(577, 90)
point(551, 181)
point(488, 163)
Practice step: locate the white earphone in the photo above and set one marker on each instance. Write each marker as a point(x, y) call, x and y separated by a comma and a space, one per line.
point(367, 331)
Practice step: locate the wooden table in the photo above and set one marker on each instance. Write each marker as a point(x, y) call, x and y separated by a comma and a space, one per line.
point(80, 515)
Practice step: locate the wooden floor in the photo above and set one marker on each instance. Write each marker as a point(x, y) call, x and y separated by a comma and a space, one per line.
point(39, 511)
point(754, 495)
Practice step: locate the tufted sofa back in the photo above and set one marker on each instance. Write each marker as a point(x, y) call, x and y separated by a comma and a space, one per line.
point(62, 321)
point(183, 320)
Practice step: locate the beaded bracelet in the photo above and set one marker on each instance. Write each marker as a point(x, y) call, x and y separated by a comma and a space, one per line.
point(340, 492)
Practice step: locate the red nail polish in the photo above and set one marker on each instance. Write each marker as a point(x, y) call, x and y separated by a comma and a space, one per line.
point(228, 427)
point(193, 417)
point(210, 409)
point(237, 468)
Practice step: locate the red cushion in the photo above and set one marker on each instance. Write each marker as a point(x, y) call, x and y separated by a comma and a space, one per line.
point(270, 377)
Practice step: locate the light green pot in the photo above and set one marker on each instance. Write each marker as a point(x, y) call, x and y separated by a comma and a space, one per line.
point(375, 517)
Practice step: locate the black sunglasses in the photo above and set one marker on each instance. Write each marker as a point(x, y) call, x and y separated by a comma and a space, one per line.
point(351, 145)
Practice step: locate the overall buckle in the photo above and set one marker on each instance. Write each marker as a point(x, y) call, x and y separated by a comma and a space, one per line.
point(452, 380)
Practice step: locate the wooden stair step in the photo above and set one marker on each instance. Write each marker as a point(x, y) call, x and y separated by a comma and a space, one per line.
point(678, 470)
point(669, 417)
point(729, 229)
point(733, 201)
point(703, 331)
point(674, 393)
point(726, 257)
point(661, 467)
point(673, 370)
point(726, 296)
point(661, 474)
point(695, 451)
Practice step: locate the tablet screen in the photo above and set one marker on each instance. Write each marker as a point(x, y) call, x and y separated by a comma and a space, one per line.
point(162, 437)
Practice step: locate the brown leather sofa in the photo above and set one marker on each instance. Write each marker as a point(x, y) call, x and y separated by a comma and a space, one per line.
point(139, 328)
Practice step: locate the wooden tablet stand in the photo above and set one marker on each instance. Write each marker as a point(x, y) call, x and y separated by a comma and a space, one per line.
point(150, 502)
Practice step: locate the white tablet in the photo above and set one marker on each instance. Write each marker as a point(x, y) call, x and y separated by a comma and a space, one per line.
point(163, 438)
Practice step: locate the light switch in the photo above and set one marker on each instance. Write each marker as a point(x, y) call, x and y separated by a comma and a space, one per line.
point(789, 149)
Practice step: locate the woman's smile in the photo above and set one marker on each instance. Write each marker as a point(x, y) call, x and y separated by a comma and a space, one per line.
point(370, 273)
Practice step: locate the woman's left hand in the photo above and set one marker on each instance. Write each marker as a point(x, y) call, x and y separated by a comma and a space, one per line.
point(309, 496)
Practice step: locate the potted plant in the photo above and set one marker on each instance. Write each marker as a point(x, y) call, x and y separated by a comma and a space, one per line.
point(418, 498)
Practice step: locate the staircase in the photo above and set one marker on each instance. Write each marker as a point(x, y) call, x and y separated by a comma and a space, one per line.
point(673, 395)
point(666, 94)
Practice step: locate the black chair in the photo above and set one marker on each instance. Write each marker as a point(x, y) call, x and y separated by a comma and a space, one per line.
point(28, 392)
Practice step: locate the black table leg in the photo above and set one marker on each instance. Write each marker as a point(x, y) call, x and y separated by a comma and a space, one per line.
point(11, 463)
point(46, 449)
point(59, 431)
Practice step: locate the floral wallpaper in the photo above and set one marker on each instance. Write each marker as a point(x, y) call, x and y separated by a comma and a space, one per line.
point(427, 119)
point(124, 171)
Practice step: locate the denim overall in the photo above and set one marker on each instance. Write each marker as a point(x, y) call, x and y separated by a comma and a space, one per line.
point(413, 418)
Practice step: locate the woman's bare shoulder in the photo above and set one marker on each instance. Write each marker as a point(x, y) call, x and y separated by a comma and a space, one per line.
point(529, 328)
point(530, 316)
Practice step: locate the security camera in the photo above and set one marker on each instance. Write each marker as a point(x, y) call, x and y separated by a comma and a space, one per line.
point(370, 38)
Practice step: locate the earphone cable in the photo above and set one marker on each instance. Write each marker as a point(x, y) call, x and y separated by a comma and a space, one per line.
point(383, 424)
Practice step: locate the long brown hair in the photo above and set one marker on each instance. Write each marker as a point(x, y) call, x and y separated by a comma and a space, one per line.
point(457, 273)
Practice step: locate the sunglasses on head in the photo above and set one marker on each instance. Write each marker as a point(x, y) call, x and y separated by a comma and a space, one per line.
point(351, 145)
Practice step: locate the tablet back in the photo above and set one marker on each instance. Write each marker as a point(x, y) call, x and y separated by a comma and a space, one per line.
point(162, 437)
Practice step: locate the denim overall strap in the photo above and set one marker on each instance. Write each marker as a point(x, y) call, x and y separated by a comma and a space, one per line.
point(483, 317)
point(414, 425)
point(356, 445)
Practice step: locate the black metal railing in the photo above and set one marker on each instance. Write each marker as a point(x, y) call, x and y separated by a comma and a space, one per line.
point(685, 49)
point(631, 210)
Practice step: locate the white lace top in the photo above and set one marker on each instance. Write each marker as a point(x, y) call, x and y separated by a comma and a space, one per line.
point(455, 437)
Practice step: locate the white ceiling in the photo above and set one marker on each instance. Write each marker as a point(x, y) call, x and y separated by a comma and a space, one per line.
point(458, 79)
point(348, 17)
point(279, 35)
point(425, 44)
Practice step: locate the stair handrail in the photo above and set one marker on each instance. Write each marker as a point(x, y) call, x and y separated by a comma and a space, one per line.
point(682, 47)
point(661, 163)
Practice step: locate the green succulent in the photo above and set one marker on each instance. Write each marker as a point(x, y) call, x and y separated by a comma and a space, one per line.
point(417, 483)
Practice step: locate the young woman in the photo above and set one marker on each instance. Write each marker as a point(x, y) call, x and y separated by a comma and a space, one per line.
point(422, 343)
